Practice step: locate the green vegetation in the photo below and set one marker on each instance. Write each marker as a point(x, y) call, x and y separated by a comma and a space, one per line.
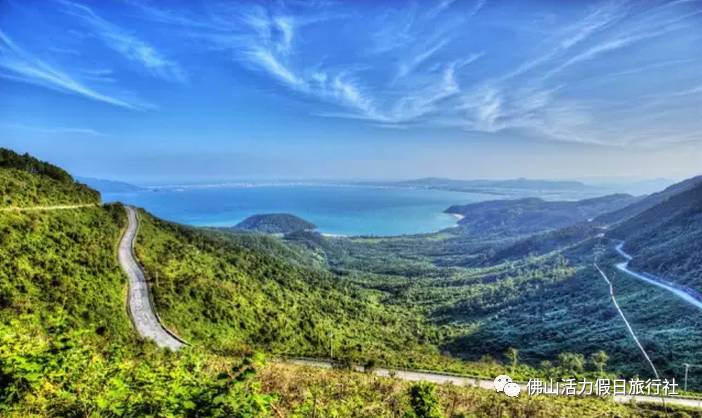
point(274, 223)
point(538, 294)
point(52, 369)
point(21, 189)
point(29, 164)
point(67, 347)
point(26, 181)
point(213, 290)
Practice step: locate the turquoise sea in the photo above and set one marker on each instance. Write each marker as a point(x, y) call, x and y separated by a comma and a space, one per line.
point(335, 209)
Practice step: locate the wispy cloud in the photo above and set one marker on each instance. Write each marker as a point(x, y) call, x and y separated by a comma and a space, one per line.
point(19, 65)
point(608, 46)
point(413, 66)
point(128, 45)
point(526, 98)
point(598, 19)
point(54, 130)
point(408, 66)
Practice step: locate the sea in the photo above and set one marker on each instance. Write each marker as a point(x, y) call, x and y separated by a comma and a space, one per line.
point(348, 210)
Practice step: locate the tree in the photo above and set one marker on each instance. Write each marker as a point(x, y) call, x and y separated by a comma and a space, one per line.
point(546, 367)
point(599, 359)
point(571, 363)
point(513, 357)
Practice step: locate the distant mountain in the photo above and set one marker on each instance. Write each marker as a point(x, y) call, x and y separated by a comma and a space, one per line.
point(648, 202)
point(470, 185)
point(532, 215)
point(274, 223)
point(666, 239)
point(109, 186)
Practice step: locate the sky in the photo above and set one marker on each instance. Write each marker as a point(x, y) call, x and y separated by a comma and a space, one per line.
point(161, 91)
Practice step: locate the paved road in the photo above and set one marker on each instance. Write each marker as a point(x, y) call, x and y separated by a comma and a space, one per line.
point(140, 308)
point(445, 378)
point(655, 280)
point(45, 208)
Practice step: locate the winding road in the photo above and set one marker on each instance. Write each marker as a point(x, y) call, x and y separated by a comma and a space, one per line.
point(141, 310)
point(654, 280)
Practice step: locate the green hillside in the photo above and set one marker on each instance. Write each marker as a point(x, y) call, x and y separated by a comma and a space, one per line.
point(26, 181)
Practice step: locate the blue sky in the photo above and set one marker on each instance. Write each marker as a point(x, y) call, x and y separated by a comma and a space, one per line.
point(148, 91)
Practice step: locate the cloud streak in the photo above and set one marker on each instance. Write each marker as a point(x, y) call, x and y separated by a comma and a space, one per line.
point(129, 46)
point(19, 65)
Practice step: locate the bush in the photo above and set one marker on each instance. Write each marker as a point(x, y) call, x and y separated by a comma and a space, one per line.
point(424, 402)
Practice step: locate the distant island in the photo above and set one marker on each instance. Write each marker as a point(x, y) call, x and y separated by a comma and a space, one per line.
point(274, 223)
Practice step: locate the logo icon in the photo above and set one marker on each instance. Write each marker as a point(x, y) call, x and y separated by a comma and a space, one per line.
point(504, 384)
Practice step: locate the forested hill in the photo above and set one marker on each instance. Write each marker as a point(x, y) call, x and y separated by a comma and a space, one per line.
point(274, 223)
point(532, 215)
point(667, 238)
point(27, 181)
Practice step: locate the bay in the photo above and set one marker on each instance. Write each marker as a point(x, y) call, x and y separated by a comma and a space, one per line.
point(335, 209)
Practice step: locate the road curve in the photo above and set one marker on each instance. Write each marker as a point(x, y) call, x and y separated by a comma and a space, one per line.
point(654, 280)
point(488, 384)
point(141, 310)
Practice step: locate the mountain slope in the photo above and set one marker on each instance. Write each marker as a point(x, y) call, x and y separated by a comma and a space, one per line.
point(648, 202)
point(667, 238)
point(531, 215)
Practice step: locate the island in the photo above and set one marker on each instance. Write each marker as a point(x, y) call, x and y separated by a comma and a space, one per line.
point(275, 223)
